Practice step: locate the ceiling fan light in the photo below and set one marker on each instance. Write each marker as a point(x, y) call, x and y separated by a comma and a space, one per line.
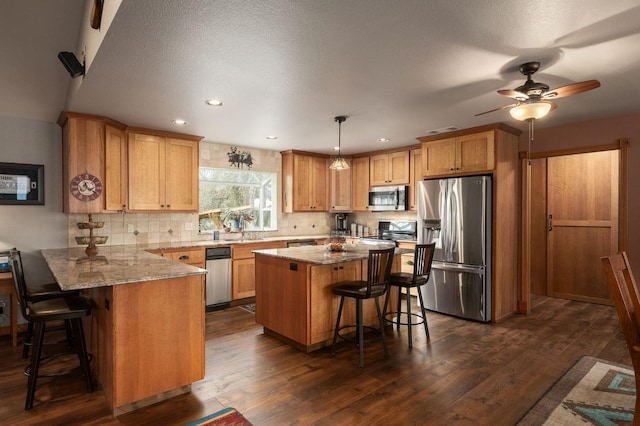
point(339, 163)
point(530, 110)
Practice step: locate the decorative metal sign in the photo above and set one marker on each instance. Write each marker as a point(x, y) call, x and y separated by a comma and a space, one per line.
point(240, 158)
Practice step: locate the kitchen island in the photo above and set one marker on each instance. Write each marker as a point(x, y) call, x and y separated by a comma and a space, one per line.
point(146, 332)
point(294, 302)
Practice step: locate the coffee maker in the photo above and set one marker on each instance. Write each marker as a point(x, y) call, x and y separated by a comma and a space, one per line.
point(341, 222)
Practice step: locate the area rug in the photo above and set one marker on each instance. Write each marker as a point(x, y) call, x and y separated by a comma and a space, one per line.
point(593, 391)
point(227, 417)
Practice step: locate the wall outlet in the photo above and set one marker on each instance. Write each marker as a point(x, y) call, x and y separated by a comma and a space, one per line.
point(130, 228)
point(188, 226)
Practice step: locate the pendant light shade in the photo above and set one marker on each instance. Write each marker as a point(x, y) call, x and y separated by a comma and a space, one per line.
point(530, 110)
point(339, 163)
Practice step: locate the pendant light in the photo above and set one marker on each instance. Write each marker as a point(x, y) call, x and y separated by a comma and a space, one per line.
point(339, 163)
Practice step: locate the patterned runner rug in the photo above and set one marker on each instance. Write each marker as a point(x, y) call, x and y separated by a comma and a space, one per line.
point(593, 391)
point(226, 417)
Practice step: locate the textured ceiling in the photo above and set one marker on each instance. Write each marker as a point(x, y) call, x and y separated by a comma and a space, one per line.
point(397, 69)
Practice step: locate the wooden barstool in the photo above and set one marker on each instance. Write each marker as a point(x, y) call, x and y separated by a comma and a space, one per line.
point(378, 272)
point(71, 308)
point(422, 260)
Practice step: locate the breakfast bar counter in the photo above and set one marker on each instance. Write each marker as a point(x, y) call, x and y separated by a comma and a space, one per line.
point(294, 302)
point(147, 328)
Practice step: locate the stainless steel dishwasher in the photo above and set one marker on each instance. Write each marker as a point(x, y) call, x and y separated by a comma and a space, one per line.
point(218, 291)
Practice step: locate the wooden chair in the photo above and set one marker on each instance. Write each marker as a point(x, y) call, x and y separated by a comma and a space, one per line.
point(70, 308)
point(627, 300)
point(376, 285)
point(422, 260)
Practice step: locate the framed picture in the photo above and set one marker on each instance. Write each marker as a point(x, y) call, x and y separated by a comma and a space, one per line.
point(21, 183)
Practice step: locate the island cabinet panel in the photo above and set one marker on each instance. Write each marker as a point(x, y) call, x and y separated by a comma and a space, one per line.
point(148, 338)
point(281, 297)
point(294, 299)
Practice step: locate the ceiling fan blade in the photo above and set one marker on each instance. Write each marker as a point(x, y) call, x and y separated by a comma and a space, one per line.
point(571, 89)
point(497, 109)
point(514, 94)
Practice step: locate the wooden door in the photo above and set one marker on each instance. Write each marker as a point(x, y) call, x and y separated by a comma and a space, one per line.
point(181, 175)
point(582, 213)
point(244, 279)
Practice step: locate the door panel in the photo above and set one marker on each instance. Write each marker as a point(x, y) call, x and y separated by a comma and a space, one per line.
point(582, 208)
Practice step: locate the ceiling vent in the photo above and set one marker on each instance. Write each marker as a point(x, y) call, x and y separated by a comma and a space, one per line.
point(442, 130)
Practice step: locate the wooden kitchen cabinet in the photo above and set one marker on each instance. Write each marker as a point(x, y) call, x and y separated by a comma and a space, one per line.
point(305, 182)
point(415, 176)
point(490, 149)
point(243, 271)
point(340, 189)
point(88, 143)
point(468, 153)
point(115, 163)
point(163, 172)
point(360, 184)
point(191, 256)
point(389, 169)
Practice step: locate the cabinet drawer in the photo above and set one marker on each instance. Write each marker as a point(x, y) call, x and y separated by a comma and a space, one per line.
point(243, 251)
point(192, 257)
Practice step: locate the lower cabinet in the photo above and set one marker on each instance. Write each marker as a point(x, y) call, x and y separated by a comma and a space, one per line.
point(190, 256)
point(243, 270)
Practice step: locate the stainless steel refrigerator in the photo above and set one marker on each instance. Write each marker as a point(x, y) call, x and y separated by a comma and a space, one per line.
point(456, 214)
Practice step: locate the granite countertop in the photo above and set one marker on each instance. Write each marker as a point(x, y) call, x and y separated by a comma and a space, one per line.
point(225, 242)
point(113, 265)
point(320, 256)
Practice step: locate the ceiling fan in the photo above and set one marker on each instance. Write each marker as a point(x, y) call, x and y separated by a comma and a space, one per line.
point(534, 99)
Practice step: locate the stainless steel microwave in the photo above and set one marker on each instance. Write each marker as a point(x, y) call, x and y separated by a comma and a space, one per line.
point(388, 198)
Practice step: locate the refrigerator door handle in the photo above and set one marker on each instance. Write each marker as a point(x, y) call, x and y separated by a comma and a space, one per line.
point(458, 267)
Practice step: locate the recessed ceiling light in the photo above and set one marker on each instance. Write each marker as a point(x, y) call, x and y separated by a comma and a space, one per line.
point(179, 122)
point(213, 102)
point(272, 138)
point(383, 140)
point(336, 148)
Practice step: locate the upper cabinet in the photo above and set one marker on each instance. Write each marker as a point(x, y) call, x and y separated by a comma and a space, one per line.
point(467, 153)
point(305, 182)
point(340, 189)
point(89, 172)
point(109, 167)
point(163, 173)
point(359, 184)
point(389, 169)
point(415, 175)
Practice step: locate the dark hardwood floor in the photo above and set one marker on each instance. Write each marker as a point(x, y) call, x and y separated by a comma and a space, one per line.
point(469, 374)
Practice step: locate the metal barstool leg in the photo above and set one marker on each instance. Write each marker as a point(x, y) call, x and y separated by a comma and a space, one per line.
point(424, 313)
point(386, 304)
point(81, 344)
point(360, 330)
point(399, 308)
point(381, 321)
point(28, 339)
point(409, 319)
point(36, 351)
point(335, 331)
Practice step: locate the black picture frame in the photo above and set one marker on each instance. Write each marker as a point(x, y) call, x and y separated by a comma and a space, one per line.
point(21, 184)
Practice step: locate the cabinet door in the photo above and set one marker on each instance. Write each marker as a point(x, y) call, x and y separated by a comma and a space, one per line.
point(475, 152)
point(181, 175)
point(115, 163)
point(146, 172)
point(379, 168)
point(360, 184)
point(439, 157)
point(398, 173)
point(340, 189)
point(244, 278)
point(415, 175)
point(302, 169)
point(320, 184)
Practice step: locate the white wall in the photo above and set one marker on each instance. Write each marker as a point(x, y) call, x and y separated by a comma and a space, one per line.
point(31, 228)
